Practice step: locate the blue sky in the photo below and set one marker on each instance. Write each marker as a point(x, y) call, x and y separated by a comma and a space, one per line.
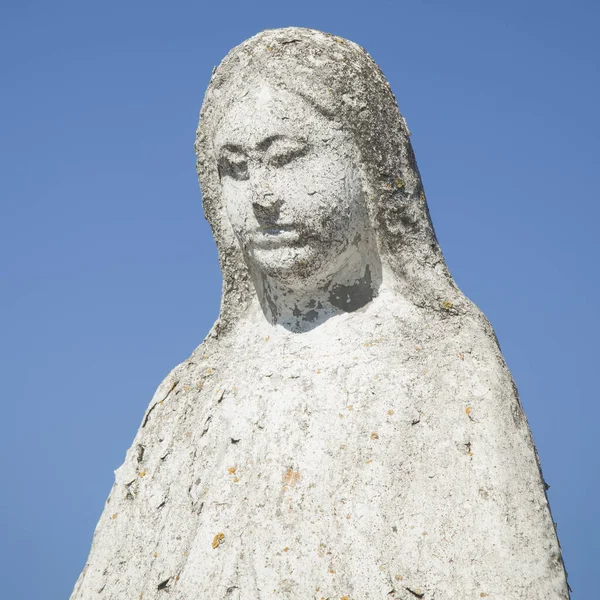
point(110, 275)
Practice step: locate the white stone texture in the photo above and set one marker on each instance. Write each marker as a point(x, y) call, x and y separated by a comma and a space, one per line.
point(348, 429)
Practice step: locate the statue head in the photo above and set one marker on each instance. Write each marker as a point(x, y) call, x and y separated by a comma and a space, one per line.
point(291, 187)
point(308, 178)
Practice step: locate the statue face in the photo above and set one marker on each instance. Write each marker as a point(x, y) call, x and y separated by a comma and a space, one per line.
point(290, 186)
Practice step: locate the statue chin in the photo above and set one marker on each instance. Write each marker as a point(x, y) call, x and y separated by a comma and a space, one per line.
point(296, 266)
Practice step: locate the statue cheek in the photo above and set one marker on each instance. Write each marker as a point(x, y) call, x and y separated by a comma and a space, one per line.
point(238, 207)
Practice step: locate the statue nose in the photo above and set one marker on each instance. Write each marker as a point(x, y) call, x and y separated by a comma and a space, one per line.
point(263, 197)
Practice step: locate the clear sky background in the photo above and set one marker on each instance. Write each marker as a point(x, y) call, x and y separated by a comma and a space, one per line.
point(109, 274)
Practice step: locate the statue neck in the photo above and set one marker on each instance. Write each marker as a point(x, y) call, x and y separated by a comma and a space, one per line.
point(307, 304)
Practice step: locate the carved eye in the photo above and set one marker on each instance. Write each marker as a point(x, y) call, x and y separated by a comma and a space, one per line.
point(236, 168)
point(284, 156)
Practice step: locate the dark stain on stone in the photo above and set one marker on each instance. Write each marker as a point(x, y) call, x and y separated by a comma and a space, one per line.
point(311, 315)
point(272, 307)
point(352, 297)
point(270, 302)
point(164, 585)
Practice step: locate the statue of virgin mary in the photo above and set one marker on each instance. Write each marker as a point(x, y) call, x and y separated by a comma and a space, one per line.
point(348, 429)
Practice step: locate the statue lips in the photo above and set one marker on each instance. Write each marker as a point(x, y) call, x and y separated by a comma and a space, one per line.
point(277, 236)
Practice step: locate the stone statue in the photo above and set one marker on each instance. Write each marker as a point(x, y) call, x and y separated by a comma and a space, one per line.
point(348, 429)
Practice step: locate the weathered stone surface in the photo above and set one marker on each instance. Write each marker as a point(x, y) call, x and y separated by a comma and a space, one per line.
point(349, 428)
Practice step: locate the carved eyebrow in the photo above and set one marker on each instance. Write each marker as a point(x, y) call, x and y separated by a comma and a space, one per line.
point(232, 148)
point(269, 141)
